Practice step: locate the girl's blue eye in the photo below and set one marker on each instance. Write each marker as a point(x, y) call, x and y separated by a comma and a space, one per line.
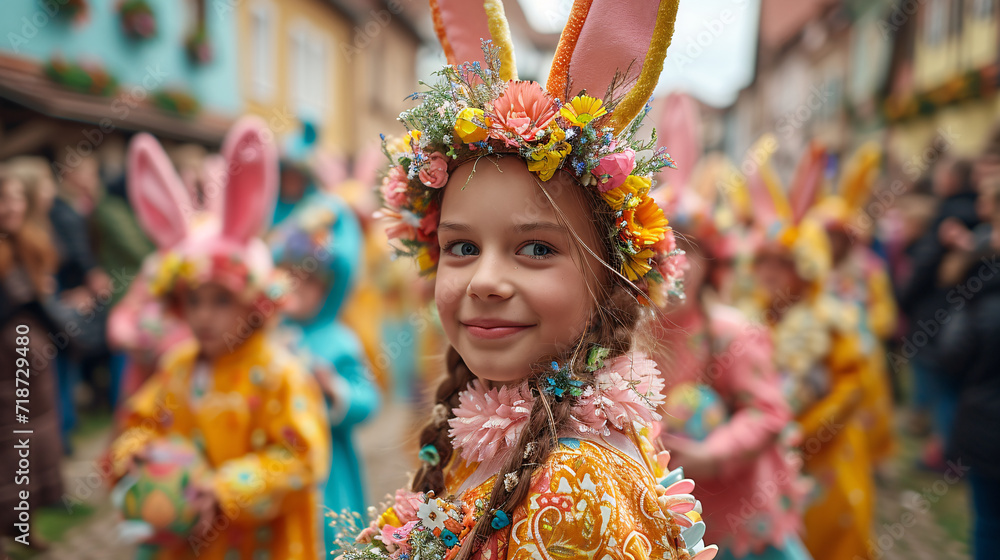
point(462, 249)
point(536, 250)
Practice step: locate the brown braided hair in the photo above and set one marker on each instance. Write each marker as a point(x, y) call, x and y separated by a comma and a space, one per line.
point(612, 326)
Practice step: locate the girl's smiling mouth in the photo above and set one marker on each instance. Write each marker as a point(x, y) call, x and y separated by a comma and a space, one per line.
point(492, 329)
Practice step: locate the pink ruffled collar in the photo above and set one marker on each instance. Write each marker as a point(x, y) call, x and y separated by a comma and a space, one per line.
point(486, 423)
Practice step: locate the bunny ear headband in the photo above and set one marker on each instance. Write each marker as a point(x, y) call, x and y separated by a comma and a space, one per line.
point(786, 218)
point(583, 122)
point(223, 246)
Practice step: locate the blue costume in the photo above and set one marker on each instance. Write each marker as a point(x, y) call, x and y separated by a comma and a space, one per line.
point(321, 237)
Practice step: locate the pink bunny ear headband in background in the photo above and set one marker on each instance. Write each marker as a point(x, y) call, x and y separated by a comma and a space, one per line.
point(610, 54)
point(222, 245)
point(782, 220)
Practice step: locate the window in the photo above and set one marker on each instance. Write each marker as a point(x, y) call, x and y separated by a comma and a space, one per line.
point(983, 9)
point(310, 57)
point(262, 51)
point(936, 25)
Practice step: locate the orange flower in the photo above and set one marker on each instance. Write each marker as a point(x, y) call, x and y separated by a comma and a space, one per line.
point(645, 223)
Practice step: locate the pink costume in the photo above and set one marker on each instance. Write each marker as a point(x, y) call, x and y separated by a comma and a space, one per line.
point(755, 500)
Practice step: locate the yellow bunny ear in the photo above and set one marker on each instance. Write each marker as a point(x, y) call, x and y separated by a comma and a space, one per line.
point(462, 25)
point(857, 179)
point(617, 42)
point(767, 197)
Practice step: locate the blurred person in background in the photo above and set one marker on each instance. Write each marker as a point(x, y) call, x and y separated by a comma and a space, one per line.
point(27, 262)
point(970, 357)
point(818, 355)
point(859, 278)
point(80, 280)
point(319, 247)
point(727, 420)
point(119, 245)
point(923, 300)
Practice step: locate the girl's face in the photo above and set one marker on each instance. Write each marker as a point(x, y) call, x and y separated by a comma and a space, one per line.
point(307, 298)
point(774, 271)
point(214, 315)
point(13, 206)
point(513, 286)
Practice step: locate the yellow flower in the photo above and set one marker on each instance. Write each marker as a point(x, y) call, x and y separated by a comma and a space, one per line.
point(426, 261)
point(582, 109)
point(634, 185)
point(389, 518)
point(166, 273)
point(545, 159)
point(636, 266)
point(472, 125)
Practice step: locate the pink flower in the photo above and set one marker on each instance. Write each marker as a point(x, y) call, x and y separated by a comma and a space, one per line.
point(525, 109)
point(487, 422)
point(427, 229)
point(672, 267)
point(406, 505)
point(434, 173)
point(668, 244)
point(613, 169)
point(628, 389)
point(394, 188)
point(396, 225)
point(394, 537)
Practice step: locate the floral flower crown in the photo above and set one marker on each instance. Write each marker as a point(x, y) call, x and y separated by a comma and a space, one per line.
point(473, 112)
point(168, 272)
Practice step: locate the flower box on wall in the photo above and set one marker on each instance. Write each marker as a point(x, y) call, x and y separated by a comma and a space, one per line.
point(177, 102)
point(138, 19)
point(90, 78)
point(198, 47)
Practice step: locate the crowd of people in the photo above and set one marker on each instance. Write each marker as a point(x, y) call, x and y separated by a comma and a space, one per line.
point(241, 313)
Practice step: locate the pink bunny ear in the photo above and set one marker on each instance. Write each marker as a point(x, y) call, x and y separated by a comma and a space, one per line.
point(605, 38)
point(213, 183)
point(807, 182)
point(461, 25)
point(156, 192)
point(680, 134)
point(252, 185)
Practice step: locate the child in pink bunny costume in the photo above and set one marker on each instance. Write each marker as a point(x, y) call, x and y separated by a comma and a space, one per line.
point(247, 405)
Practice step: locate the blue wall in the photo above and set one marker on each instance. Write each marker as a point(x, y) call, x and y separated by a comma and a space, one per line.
point(27, 30)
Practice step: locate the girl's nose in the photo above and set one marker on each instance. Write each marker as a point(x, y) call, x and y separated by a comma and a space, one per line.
point(490, 279)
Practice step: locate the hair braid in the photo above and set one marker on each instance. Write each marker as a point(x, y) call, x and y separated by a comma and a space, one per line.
point(457, 378)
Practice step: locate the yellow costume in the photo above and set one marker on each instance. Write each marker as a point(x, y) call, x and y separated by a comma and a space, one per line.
point(260, 424)
point(860, 278)
point(817, 350)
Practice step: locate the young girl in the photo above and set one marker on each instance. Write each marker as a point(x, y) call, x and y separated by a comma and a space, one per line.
point(726, 420)
point(254, 414)
point(817, 354)
point(319, 245)
point(859, 278)
point(538, 223)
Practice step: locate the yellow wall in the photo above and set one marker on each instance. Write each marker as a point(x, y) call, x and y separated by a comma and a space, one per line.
point(966, 126)
point(337, 125)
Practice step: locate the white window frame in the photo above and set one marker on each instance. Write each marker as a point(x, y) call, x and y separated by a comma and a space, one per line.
point(262, 49)
point(310, 61)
